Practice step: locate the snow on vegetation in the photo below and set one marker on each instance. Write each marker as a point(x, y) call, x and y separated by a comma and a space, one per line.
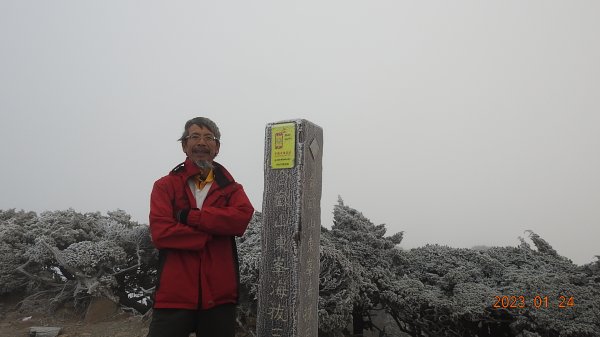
point(65, 258)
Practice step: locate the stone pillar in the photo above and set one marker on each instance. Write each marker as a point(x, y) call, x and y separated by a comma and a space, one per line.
point(288, 292)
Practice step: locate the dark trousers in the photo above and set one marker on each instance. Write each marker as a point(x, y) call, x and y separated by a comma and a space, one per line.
point(216, 322)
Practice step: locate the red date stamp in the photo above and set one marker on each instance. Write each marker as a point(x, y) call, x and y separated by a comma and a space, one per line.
point(537, 302)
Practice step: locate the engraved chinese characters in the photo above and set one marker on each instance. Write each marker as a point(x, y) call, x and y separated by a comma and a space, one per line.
point(289, 273)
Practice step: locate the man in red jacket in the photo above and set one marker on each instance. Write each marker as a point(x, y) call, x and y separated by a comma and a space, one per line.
point(195, 213)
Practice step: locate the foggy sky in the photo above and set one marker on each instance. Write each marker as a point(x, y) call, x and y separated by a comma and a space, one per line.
point(461, 123)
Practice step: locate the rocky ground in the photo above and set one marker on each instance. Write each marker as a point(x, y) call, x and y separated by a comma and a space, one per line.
point(103, 320)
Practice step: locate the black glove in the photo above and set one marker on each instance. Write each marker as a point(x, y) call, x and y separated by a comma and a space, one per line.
point(182, 215)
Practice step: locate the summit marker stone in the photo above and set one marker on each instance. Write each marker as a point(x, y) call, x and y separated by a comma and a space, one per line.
point(288, 292)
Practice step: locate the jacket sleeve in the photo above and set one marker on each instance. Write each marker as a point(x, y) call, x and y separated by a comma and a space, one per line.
point(230, 218)
point(166, 232)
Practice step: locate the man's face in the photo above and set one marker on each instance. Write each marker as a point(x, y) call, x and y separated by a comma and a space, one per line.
point(200, 144)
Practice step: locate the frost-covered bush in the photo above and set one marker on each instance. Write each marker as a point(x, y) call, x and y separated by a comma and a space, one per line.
point(14, 240)
point(442, 291)
point(60, 229)
point(94, 258)
point(66, 256)
point(463, 291)
point(433, 290)
point(338, 289)
point(249, 253)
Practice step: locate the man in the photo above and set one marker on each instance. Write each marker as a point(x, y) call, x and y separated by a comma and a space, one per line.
point(195, 213)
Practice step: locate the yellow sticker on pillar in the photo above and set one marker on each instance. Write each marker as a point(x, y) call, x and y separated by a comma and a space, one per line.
point(283, 145)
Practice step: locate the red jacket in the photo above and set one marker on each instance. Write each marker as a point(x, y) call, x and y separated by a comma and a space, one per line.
point(198, 260)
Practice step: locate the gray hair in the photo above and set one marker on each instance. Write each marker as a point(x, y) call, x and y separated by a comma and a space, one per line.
point(203, 122)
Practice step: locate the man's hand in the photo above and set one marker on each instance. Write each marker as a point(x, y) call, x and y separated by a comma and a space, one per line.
point(182, 215)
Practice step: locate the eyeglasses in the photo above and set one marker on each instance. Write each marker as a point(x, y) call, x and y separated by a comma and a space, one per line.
point(194, 137)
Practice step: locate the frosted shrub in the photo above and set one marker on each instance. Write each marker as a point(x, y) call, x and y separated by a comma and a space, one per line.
point(94, 258)
point(65, 256)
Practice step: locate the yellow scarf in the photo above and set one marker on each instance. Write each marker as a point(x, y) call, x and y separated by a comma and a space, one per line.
point(201, 183)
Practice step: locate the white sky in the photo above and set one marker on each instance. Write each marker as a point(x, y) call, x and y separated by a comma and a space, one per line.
point(459, 122)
